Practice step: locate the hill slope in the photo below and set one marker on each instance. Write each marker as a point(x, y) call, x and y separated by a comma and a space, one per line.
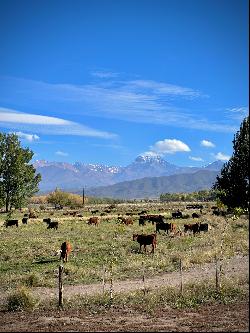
point(152, 187)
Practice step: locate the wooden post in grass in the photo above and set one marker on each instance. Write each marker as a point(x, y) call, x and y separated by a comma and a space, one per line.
point(143, 278)
point(61, 285)
point(111, 283)
point(181, 289)
point(103, 279)
point(217, 285)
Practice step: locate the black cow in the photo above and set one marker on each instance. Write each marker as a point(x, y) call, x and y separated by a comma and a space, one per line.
point(25, 220)
point(163, 226)
point(47, 220)
point(203, 227)
point(11, 222)
point(195, 215)
point(53, 225)
point(177, 215)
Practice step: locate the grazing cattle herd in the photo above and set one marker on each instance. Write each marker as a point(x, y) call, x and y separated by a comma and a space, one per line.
point(160, 222)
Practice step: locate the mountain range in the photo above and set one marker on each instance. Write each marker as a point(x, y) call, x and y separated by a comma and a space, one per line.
point(101, 179)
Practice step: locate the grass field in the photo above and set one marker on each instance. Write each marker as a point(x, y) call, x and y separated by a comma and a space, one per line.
point(28, 253)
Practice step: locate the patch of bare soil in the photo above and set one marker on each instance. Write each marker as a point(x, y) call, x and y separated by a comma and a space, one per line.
point(213, 318)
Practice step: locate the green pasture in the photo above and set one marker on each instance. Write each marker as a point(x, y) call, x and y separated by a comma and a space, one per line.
point(28, 253)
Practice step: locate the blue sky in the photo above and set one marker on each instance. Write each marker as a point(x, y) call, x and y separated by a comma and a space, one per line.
point(103, 81)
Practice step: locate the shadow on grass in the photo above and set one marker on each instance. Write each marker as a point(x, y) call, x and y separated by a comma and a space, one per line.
point(45, 260)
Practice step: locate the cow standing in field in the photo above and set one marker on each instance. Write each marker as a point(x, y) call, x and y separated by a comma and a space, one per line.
point(65, 251)
point(11, 222)
point(162, 226)
point(53, 225)
point(93, 220)
point(25, 220)
point(203, 227)
point(152, 218)
point(194, 227)
point(126, 220)
point(146, 240)
point(177, 215)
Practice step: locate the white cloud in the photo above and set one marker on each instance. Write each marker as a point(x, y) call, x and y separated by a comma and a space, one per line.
point(13, 116)
point(28, 137)
point(198, 159)
point(206, 143)
point(222, 157)
point(48, 125)
point(61, 153)
point(169, 146)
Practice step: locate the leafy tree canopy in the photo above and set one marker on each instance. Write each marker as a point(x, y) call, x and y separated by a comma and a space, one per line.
point(232, 186)
point(18, 178)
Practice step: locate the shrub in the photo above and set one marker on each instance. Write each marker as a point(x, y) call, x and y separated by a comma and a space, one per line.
point(20, 300)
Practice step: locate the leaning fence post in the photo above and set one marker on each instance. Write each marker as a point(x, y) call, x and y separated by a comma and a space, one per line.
point(61, 285)
point(181, 289)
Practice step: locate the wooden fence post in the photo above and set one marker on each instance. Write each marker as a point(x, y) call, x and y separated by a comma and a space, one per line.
point(143, 278)
point(103, 279)
point(217, 285)
point(60, 285)
point(111, 283)
point(181, 289)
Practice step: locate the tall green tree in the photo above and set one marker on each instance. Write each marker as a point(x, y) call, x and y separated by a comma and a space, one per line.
point(232, 186)
point(18, 178)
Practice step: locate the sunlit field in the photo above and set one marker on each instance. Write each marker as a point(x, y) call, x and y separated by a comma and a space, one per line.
point(29, 253)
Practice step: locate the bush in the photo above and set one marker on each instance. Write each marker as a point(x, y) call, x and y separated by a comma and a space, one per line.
point(20, 300)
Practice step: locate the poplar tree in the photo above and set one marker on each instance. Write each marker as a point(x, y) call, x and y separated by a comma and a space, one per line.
point(18, 178)
point(232, 186)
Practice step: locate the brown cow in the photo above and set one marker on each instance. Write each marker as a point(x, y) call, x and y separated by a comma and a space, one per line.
point(194, 227)
point(93, 220)
point(126, 220)
point(65, 250)
point(146, 240)
point(173, 227)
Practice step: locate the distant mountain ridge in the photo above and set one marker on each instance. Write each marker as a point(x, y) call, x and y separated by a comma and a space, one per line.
point(67, 176)
point(153, 187)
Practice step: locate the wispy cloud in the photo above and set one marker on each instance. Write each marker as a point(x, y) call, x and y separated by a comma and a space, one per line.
point(47, 125)
point(161, 88)
point(206, 143)
point(168, 146)
point(141, 101)
point(237, 113)
point(197, 159)
point(61, 153)
point(26, 136)
point(104, 74)
point(222, 157)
